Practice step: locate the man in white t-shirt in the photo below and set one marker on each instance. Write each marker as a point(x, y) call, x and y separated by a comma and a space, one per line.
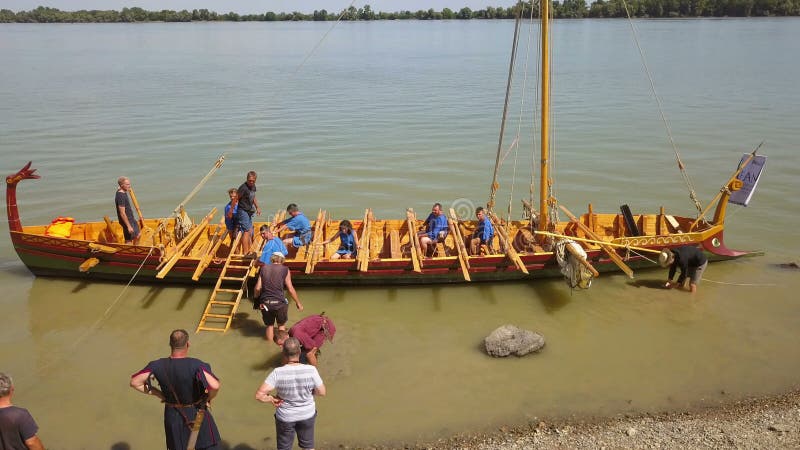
point(296, 386)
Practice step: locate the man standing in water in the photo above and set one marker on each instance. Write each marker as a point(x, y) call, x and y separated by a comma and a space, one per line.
point(17, 427)
point(187, 385)
point(296, 386)
point(692, 262)
point(247, 207)
point(130, 228)
point(272, 279)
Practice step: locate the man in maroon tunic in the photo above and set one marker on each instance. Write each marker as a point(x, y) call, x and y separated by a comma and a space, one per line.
point(311, 332)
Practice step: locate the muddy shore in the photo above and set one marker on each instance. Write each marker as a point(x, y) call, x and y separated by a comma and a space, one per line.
point(757, 423)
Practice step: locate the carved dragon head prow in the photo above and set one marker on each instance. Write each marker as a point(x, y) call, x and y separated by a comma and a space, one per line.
point(11, 195)
point(26, 173)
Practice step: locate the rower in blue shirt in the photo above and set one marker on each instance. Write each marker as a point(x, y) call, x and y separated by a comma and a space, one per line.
point(272, 244)
point(435, 228)
point(483, 234)
point(348, 241)
point(299, 224)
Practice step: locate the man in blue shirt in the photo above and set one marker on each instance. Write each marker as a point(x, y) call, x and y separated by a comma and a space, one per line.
point(299, 224)
point(231, 209)
point(435, 228)
point(272, 244)
point(483, 234)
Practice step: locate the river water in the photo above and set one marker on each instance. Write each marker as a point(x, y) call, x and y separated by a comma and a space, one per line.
point(391, 115)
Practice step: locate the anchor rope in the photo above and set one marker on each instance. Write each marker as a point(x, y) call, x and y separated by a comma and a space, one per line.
point(97, 323)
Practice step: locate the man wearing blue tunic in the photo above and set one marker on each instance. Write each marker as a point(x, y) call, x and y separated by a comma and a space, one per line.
point(299, 224)
point(483, 234)
point(186, 385)
point(272, 244)
point(435, 228)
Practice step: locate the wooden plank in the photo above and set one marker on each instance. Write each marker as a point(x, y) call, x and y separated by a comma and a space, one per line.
point(189, 240)
point(413, 240)
point(463, 257)
point(506, 243)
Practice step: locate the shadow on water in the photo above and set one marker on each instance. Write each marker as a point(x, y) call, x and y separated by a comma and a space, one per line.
point(246, 326)
point(80, 286)
point(223, 446)
point(552, 295)
point(269, 363)
point(187, 294)
point(151, 296)
point(651, 284)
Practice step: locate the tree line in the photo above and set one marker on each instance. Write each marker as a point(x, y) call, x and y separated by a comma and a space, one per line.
point(566, 9)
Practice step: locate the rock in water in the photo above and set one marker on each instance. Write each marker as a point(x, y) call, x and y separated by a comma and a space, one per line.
point(508, 339)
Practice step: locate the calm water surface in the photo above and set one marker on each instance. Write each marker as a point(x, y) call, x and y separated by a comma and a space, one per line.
point(388, 116)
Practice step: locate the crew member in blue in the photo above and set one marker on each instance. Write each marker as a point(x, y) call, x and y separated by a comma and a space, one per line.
point(300, 226)
point(186, 387)
point(692, 262)
point(483, 234)
point(272, 244)
point(435, 228)
point(231, 209)
point(348, 241)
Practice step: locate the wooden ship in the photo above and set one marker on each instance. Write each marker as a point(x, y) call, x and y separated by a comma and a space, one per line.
point(579, 247)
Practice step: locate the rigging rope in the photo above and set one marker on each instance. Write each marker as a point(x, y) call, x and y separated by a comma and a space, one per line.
point(493, 188)
point(521, 113)
point(684, 174)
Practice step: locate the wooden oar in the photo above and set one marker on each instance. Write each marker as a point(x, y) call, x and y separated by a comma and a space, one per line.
point(214, 244)
point(582, 260)
point(413, 240)
point(315, 246)
point(609, 251)
point(146, 232)
point(507, 244)
point(463, 256)
point(363, 243)
point(110, 236)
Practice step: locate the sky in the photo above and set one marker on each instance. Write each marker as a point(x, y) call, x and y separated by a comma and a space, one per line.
point(255, 6)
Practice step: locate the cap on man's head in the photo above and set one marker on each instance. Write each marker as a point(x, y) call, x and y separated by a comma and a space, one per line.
point(277, 254)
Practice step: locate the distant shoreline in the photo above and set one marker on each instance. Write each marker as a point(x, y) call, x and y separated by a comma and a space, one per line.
point(568, 9)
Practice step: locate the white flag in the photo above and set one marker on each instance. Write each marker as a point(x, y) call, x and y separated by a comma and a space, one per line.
point(749, 176)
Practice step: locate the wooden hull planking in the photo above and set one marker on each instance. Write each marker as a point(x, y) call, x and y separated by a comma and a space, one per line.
point(390, 262)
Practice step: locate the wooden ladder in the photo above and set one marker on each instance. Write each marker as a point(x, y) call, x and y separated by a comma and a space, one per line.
point(227, 292)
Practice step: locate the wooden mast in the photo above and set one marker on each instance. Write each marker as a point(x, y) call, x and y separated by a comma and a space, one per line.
point(544, 17)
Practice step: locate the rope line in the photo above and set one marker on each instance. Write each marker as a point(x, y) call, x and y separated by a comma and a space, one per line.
point(96, 325)
point(686, 179)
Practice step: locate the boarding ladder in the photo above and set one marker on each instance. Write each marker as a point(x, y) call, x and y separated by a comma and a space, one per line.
point(229, 290)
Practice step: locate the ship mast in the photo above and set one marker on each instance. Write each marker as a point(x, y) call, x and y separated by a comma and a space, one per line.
point(544, 176)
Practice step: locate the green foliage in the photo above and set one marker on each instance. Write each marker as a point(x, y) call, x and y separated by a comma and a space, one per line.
point(566, 9)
